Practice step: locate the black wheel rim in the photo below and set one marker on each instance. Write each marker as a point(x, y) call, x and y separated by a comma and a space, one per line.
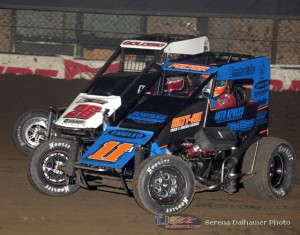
point(52, 168)
point(276, 171)
point(167, 185)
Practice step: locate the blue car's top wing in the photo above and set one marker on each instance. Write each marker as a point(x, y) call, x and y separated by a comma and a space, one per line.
point(189, 68)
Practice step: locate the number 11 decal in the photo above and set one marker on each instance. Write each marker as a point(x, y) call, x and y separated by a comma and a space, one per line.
point(111, 151)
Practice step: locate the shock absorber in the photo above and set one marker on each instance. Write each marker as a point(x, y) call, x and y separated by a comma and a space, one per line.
point(138, 157)
point(72, 157)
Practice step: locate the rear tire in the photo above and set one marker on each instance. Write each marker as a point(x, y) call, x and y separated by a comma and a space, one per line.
point(274, 169)
point(164, 185)
point(30, 130)
point(45, 169)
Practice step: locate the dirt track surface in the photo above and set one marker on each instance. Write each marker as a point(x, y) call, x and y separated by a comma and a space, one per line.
point(25, 211)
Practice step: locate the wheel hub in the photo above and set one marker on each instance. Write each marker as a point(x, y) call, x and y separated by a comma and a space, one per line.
point(35, 131)
point(276, 171)
point(51, 168)
point(166, 185)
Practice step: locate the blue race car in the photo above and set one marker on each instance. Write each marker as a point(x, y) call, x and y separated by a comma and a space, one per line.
point(205, 129)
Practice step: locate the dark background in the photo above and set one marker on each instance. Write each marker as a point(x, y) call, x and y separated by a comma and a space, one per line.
point(229, 8)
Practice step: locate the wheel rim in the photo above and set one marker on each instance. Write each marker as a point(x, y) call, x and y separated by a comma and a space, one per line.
point(51, 168)
point(276, 171)
point(35, 131)
point(167, 185)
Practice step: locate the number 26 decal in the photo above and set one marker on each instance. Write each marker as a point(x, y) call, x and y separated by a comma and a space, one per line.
point(83, 111)
point(111, 151)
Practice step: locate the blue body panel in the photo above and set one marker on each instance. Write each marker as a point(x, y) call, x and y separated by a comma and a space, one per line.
point(257, 69)
point(120, 135)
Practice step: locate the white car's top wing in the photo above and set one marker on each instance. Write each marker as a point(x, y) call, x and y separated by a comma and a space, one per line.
point(188, 47)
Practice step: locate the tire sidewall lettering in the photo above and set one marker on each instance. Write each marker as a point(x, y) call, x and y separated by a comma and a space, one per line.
point(155, 165)
point(288, 156)
point(64, 189)
point(285, 150)
point(54, 144)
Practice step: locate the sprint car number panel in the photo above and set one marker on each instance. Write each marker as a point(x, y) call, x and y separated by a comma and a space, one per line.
point(86, 111)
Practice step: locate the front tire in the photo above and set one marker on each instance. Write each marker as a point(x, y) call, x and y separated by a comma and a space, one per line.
point(30, 130)
point(274, 169)
point(164, 185)
point(45, 169)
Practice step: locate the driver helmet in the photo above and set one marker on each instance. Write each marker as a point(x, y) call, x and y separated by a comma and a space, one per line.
point(220, 88)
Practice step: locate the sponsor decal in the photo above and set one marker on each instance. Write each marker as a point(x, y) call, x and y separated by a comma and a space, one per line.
point(262, 69)
point(144, 43)
point(262, 84)
point(74, 121)
point(249, 70)
point(178, 221)
point(263, 101)
point(261, 92)
point(242, 125)
point(189, 67)
point(89, 100)
point(262, 117)
point(229, 114)
point(127, 134)
point(187, 121)
point(147, 117)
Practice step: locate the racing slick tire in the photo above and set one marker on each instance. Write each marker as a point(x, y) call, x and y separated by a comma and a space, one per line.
point(45, 169)
point(30, 130)
point(274, 169)
point(164, 185)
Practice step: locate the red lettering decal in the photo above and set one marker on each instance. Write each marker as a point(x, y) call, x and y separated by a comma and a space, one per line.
point(18, 71)
point(276, 85)
point(295, 85)
point(46, 72)
point(143, 43)
point(1, 69)
point(73, 69)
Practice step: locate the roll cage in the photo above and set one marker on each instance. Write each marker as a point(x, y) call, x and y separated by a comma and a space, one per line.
point(141, 54)
point(240, 71)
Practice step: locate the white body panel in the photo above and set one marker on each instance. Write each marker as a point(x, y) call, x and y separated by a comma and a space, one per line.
point(86, 111)
point(189, 47)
